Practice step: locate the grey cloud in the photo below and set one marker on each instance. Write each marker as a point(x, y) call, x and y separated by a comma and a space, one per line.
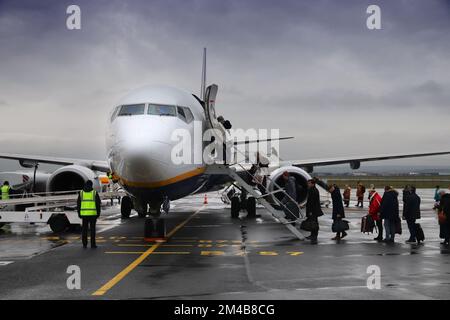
point(294, 65)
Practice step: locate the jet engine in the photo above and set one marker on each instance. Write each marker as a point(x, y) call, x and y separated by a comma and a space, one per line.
point(71, 177)
point(276, 181)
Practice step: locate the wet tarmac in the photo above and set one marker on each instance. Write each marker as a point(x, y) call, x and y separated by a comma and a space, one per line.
point(211, 256)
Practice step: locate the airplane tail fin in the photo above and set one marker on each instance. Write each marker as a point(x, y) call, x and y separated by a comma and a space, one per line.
point(203, 84)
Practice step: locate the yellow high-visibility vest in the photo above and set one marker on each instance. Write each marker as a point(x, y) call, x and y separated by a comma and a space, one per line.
point(5, 192)
point(88, 206)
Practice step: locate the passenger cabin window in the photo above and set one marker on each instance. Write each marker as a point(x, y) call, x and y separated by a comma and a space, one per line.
point(162, 110)
point(185, 114)
point(132, 110)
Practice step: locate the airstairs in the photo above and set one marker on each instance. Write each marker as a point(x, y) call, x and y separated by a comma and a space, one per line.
point(217, 168)
point(261, 199)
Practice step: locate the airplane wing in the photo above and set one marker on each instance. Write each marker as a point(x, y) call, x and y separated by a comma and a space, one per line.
point(31, 161)
point(261, 140)
point(356, 161)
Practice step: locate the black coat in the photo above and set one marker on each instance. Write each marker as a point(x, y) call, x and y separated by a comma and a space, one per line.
point(444, 205)
point(389, 205)
point(411, 207)
point(313, 203)
point(338, 206)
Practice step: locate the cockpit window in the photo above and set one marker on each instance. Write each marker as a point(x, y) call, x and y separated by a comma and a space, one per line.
point(185, 114)
point(131, 109)
point(162, 110)
point(114, 114)
point(189, 115)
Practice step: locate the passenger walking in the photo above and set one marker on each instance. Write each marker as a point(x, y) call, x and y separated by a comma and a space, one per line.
point(88, 207)
point(360, 190)
point(411, 212)
point(289, 202)
point(389, 213)
point(374, 211)
point(347, 194)
point(338, 207)
point(313, 209)
point(444, 220)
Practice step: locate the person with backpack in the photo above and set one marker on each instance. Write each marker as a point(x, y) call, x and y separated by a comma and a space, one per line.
point(389, 211)
point(374, 212)
point(411, 212)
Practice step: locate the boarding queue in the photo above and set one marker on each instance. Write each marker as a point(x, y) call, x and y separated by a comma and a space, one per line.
point(383, 215)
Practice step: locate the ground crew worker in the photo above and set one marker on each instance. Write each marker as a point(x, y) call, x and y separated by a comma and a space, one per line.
point(5, 190)
point(88, 207)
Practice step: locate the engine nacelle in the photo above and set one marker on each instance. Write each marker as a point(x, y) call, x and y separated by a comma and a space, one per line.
point(301, 179)
point(70, 178)
point(354, 165)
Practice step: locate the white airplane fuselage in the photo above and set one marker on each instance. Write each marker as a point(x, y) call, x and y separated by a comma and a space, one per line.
point(139, 146)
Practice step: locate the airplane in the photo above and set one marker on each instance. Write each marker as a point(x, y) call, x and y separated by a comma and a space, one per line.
point(139, 147)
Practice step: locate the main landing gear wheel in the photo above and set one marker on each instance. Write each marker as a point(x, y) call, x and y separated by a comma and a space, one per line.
point(251, 207)
point(125, 207)
point(154, 228)
point(235, 207)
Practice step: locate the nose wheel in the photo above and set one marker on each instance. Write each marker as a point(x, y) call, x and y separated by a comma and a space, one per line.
point(155, 228)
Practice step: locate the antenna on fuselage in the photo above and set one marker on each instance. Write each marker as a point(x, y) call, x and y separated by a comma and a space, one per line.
point(203, 85)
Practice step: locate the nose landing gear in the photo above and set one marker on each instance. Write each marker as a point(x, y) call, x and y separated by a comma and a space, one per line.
point(155, 229)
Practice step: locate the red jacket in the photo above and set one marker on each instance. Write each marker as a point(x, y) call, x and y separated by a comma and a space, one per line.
point(374, 205)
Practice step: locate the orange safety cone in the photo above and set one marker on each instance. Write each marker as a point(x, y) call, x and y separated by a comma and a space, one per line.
point(205, 200)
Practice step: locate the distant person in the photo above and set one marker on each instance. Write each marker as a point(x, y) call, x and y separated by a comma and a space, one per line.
point(5, 189)
point(289, 202)
point(313, 209)
point(360, 190)
point(346, 195)
point(411, 212)
point(444, 209)
point(389, 212)
point(338, 207)
point(437, 197)
point(88, 207)
point(374, 211)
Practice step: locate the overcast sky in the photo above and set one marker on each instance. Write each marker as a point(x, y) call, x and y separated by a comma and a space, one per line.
point(310, 68)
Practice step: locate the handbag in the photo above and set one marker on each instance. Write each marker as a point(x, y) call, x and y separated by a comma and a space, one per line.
point(340, 225)
point(309, 225)
point(441, 217)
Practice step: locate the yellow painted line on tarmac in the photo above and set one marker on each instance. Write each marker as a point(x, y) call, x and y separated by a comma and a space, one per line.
point(294, 253)
point(212, 253)
point(268, 253)
point(141, 252)
point(122, 274)
point(171, 252)
point(149, 245)
point(125, 252)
